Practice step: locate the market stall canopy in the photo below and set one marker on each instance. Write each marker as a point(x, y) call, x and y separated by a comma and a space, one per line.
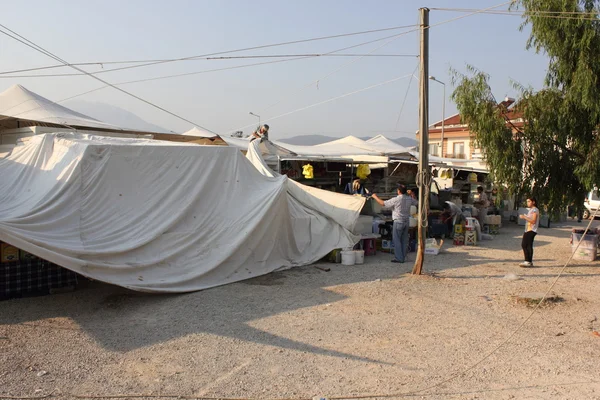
point(20, 107)
point(351, 148)
point(162, 216)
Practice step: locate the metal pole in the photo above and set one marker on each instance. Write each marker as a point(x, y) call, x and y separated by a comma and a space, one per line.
point(443, 119)
point(423, 175)
point(256, 115)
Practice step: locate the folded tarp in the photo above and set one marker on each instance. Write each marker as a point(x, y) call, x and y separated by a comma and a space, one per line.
point(162, 217)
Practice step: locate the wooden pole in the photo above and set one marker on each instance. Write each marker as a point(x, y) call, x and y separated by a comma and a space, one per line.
point(423, 174)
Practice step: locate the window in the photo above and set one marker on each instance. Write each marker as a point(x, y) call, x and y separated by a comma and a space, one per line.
point(459, 149)
point(433, 149)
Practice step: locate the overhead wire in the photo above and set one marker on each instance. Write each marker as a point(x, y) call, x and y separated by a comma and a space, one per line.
point(201, 59)
point(406, 95)
point(8, 74)
point(337, 97)
point(217, 69)
point(157, 62)
point(575, 15)
point(316, 82)
point(40, 49)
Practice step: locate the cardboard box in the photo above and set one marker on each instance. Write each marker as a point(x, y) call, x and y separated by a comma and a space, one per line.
point(432, 246)
point(8, 253)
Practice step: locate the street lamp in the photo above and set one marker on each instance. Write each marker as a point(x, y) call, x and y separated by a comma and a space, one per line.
point(258, 116)
point(443, 113)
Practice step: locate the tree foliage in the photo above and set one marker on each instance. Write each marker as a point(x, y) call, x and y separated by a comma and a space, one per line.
point(556, 154)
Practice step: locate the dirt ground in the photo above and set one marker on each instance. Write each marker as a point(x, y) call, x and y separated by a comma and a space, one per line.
point(456, 332)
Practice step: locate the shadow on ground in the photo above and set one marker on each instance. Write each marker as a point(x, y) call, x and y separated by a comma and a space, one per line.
point(123, 320)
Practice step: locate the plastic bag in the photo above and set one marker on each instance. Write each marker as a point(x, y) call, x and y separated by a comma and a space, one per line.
point(307, 171)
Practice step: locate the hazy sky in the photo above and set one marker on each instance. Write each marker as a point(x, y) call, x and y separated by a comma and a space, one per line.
point(86, 31)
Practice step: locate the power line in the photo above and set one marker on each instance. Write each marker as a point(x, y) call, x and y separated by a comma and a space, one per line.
point(34, 46)
point(406, 95)
point(521, 11)
point(404, 33)
point(6, 75)
point(145, 63)
point(580, 16)
point(330, 100)
point(100, 63)
point(337, 70)
point(218, 69)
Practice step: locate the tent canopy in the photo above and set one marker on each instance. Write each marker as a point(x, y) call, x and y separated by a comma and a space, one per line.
point(20, 107)
point(163, 216)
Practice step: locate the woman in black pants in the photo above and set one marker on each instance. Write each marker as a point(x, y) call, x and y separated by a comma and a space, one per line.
point(532, 221)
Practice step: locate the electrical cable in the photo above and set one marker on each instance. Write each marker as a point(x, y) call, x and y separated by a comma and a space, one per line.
point(329, 100)
point(212, 70)
point(404, 33)
point(335, 71)
point(405, 96)
point(575, 15)
point(157, 62)
point(43, 51)
point(200, 59)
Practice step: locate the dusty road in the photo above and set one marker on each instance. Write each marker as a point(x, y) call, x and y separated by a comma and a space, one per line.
point(368, 329)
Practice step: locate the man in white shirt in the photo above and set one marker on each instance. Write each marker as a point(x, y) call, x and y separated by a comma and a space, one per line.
point(400, 206)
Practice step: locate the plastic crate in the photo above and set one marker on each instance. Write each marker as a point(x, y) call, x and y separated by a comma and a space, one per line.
point(590, 241)
point(584, 253)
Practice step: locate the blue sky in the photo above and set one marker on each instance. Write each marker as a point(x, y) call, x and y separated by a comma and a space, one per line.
point(136, 30)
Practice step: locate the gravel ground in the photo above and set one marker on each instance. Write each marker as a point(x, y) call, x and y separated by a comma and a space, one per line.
point(365, 329)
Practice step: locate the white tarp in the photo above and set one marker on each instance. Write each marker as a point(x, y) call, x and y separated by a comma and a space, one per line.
point(17, 102)
point(163, 217)
point(197, 132)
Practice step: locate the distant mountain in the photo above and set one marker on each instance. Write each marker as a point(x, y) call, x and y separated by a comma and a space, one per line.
point(406, 141)
point(308, 140)
point(311, 140)
point(114, 115)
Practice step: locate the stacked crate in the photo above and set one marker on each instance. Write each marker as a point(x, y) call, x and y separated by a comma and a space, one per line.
point(459, 234)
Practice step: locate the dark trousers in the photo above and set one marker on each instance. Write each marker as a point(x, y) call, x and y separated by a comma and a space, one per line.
point(527, 245)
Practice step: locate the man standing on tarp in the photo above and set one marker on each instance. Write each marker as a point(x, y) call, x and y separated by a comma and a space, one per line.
point(400, 206)
point(262, 133)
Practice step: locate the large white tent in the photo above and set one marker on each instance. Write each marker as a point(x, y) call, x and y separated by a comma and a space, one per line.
point(161, 216)
point(20, 107)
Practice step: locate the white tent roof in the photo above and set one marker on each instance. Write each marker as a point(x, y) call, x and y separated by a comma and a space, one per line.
point(161, 216)
point(349, 147)
point(18, 103)
point(195, 131)
point(389, 146)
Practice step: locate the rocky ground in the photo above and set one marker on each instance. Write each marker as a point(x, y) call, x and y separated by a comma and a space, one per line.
point(456, 332)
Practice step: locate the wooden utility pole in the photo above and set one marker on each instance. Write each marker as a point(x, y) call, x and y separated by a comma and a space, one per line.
point(423, 175)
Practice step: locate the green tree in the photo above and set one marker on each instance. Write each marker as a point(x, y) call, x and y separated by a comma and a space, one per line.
point(555, 155)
